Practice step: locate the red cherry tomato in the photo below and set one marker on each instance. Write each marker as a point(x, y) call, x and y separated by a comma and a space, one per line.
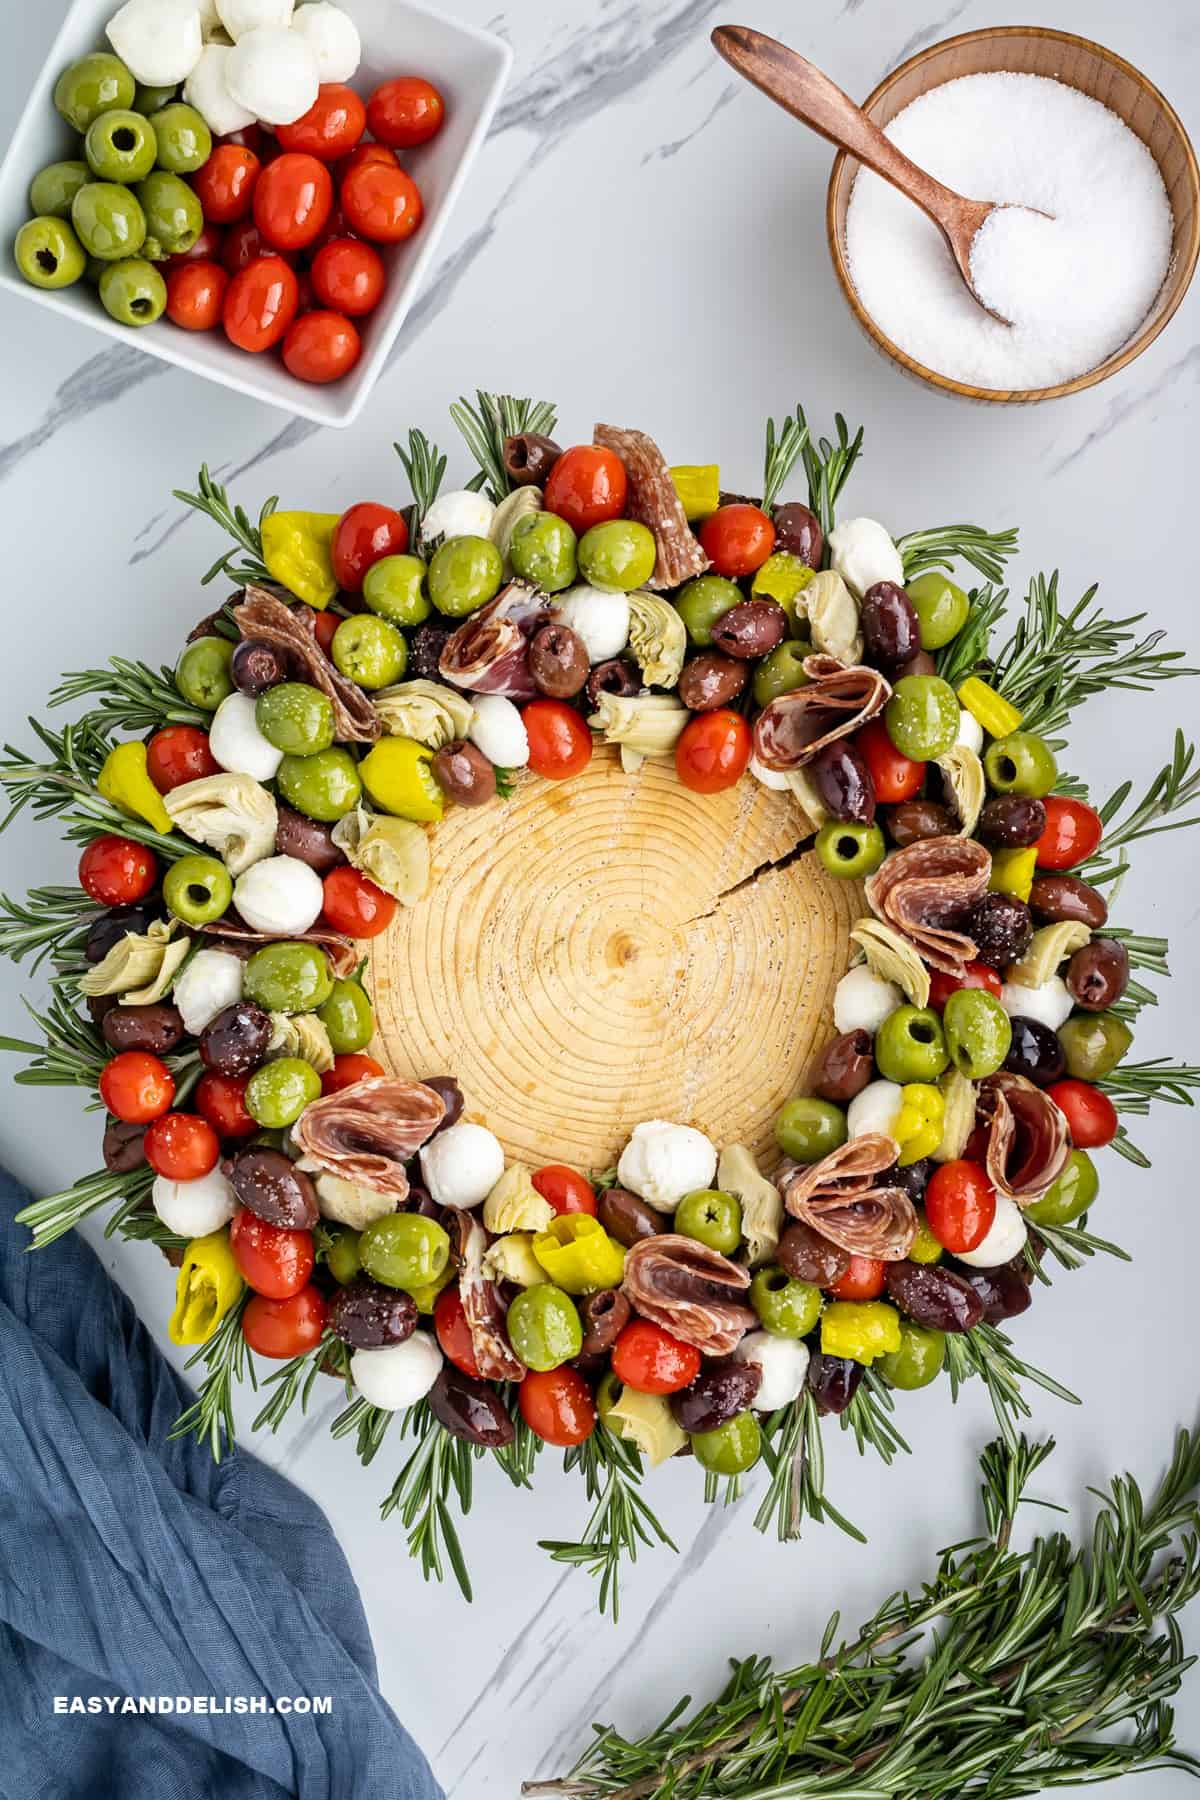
point(250, 137)
point(116, 871)
point(285, 1328)
point(274, 1260)
point(321, 346)
point(365, 153)
point(560, 743)
point(244, 244)
point(207, 248)
point(363, 535)
point(196, 295)
point(896, 776)
point(292, 200)
point(330, 128)
point(260, 304)
point(136, 1087)
point(863, 1280)
point(976, 975)
point(351, 1066)
point(557, 1406)
point(348, 276)
point(453, 1332)
point(565, 1189)
point(737, 539)
point(1090, 1115)
point(355, 905)
point(405, 111)
point(713, 750)
point(586, 486)
point(179, 753)
point(382, 201)
point(960, 1204)
point(326, 628)
point(225, 184)
point(649, 1359)
point(336, 226)
point(1072, 833)
point(181, 1146)
point(221, 1099)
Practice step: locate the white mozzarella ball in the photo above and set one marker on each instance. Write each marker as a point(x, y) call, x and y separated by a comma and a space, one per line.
point(1050, 1004)
point(460, 513)
point(498, 729)
point(274, 73)
point(462, 1164)
point(600, 619)
point(970, 732)
point(862, 1000)
point(774, 779)
point(211, 981)
point(159, 41)
point(192, 1209)
point(662, 1162)
point(280, 894)
point(863, 553)
point(784, 1365)
point(875, 1109)
point(236, 742)
point(350, 1202)
point(1005, 1237)
point(333, 38)
point(240, 16)
point(206, 90)
point(398, 1375)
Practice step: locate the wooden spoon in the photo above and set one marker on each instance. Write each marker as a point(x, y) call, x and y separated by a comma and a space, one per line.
point(801, 89)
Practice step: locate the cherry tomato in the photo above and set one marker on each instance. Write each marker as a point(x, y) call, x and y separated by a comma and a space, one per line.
point(275, 1261)
point(348, 276)
point(250, 137)
point(737, 539)
point(363, 535)
point(260, 304)
point(225, 184)
point(195, 295)
point(181, 1146)
point(649, 1359)
point(382, 202)
point(337, 225)
point(557, 1406)
point(179, 753)
point(405, 111)
point(244, 244)
point(349, 1067)
point(713, 750)
point(1090, 1115)
point(116, 871)
point(355, 905)
point(863, 1280)
point(325, 626)
point(566, 1190)
point(136, 1087)
point(1072, 834)
point(221, 1099)
point(292, 200)
point(960, 1204)
point(560, 743)
point(330, 128)
point(586, 486)
point(975, 975)
point(305, 299)
point(285, 1328)
point(207, 248)
point(365, 153)
point(321, 346)
point(453, 1332)
point(896, 776)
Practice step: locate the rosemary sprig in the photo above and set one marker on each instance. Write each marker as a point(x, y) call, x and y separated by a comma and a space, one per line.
point(70, 1053)
point(1175, 788)
point(620, 1521)
point(869, 1417)
point(785, 446)
point(969, 650)
point(519, 1459)
point(369, 1425)
point(50, 921)
point(131, 697)
point(212, 499)
point(425, 467)
point(1070, 1245)
point(53, 1216)
point(1132, 1087)
point(65, 787)
point(294, 1380)
point(487, 423)
point(795, 1457)
point(988, 1353)
point(438, 1472)
point(827, 465)
point(944, 545)
point(227, 1362)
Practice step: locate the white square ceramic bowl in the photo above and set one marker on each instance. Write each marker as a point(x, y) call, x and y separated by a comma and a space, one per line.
point(398, 37)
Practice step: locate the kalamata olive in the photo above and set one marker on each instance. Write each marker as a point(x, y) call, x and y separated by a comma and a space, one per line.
point(718, 1393)
point(558, 661)
point(113, 925)
point(920, 664)
point(1012, 822)
point(257, 666)
point(1055, 897)
point(235, 1042)
point(616, 676)
point(807, 1256)
point(605, 1316)
point(156, 1028)
point(933, 1296)
point(470, 1409)
point(529, 457)
point(420, 1200)
point(368, 1316)
point(590, 1364)
point(99, 1006)
point(833, 1381)
point(1035, 1052)
point(845, 1067)
point(451, 1097)
point(1098, 974)
point(711, 680)
point(464, 774)
point(274, 1188)
point(306, 839)
point(912, 1178)
point(425, 647)
point(1000, 927)
point(750, 629)
point(122, 1148)
point(627, 1217)
point(911, 820)
point(798, 530)
point(891, 633)
point(843, 781)
point(1005, 1291)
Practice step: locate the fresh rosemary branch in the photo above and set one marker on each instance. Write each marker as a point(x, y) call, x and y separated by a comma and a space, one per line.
point(1175, 788)
point(369, 1425)
point(132, 697)
point(53, 1216)
point(828, 467)
point(869, 1417)
point(1070, 1245)
point(944, 545)
point(969, 650)
point(519, 1459)
point(212, 499)
point(64, 787)
point(50, 921)
point(425, 467)
point(487, 423)
point(1133, 1086)
point(795, 1457)
point(294, 1380)
point(438, 1472)
point(227, 1362)
point(785, 446)
point(620, 1521)
point(71, 1052)
point(988, 1353)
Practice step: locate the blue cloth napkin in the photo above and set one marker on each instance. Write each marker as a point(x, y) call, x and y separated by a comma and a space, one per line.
point(131, 1565)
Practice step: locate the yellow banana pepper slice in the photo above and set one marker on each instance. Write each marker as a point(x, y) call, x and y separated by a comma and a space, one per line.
point(124, 780)
point(208, 1284)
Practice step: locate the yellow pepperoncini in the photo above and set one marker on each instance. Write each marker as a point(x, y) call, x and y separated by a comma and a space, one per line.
point(397, 775)
point(925, 1248)
point(578, 1254)
point(699, 488)
point(297, 549)
point(918, 1125)
point(124, 780)
point(781, 578)
point(860, 1330)
point(208, 1284)
point(997, 715)
point(1013, 872)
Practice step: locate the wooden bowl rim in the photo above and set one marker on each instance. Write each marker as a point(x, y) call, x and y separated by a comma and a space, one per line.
point(1180, 275)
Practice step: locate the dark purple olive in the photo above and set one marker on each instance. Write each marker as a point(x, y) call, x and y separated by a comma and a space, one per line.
point(425, 648)
point(833, 1381)
point(464, 774)
point(306, 839)
point(911, 820)
point(711, 680)
point(891, 632)
point(235, 1042)
point(605, 1316)
point(591, 1364)
point(627, 1217)
point(1035, 1052)
point(114, 924)
point(933, 1296)
point(911, 1178)
point(558, 661)
point(920, 664)
point(798, 530)
point(845, 1067)
point(529, 457)
point(1000, 927)
point(470, 1409)
point(843, 781)
point(451, 1097)
point(1005, 1291)
point(273, 1187)
point(1012, 822)
point(368, 1316)
point(807, 1256)
point(1056, 897)
point(157, 1028)
point(718, 1393)
point(99, 1006)
point(616, 676)
point(122, 1148)
point(751, 629)
point(257, 666)
point(420, 1200)
point(1098, 974)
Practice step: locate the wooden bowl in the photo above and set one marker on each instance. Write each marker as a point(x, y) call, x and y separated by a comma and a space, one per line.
point(1077, 62)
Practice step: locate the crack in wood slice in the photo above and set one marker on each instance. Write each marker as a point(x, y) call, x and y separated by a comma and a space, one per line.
point(612, 949)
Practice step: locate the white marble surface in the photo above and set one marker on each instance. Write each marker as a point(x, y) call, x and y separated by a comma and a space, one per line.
point(643, 240)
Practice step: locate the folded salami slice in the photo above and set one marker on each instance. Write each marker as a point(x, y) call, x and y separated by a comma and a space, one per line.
point(243, 940)
point(691, 1291)
point(925, 890)
point(838, 698)
point(489, 652)
point(1028, 1143)
point(482, 1301)
point(653, 501)
point(262, 615)
point(368, 1132)
point(843, 1198)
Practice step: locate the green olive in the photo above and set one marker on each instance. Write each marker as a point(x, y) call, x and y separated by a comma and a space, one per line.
point(369, 651)
point(53, 188)
point(924, 1248)
point(48, 253)
point(618, 555)
point(544, 1326)
point(93, 85)
point(941, 607)
point(731, 1448)
point(278, 1092)
point(1094, 1044)
point(342, 1258)
point(464, 575)
point(807, 1129)
point(109, 220)
point(1071, 1195)
point(542, 549)
point(1021, 763)
point(296, 718)
point(184, 140)
point(133, 292)
point(150, 100)
point(394, 587)
point(197, 889)
point(347, 1016)
point(702, 601)
point(782, 672)
point(404, 1250)
point(850, 851)
point(202, 672)
point(910, 1045)
point(321, 787)
point(919, 1359)
point(288, 977)
point(712, 1218)
point(978, 1032)
point(174, 216)
point(786, 1307)
point(922, 716)
point(120, 146)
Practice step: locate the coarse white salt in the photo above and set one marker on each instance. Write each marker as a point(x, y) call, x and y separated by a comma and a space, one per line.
point(1076, 285)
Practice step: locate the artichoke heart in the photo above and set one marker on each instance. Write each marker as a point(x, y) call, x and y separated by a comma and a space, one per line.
point(657, 638)
point(967, 784)
point(514, 1204)
point(642, 724)
point(647, 1422)
point(350, 1203)
point(233, 814)
point(833, 617)
point(512, 509)
point(804, 789)
point(1048, 947)
point(426, 710)
point(511, 1258)
point(892, 958)
point(140, 967)
point(761, 1202)
point(394, 852)
point(958, 1116)
point(302, 1035)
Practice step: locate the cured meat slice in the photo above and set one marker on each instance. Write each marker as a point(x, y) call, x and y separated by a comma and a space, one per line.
point(794, 728)
point(1029, 1142)
point(653, 501)
point(489, 652)
point(482, 1301)
point(369, 1131)
point(263, 615)
point(242, 939)
point(691, 1291)
point(924, 891)
point(843, 1199)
